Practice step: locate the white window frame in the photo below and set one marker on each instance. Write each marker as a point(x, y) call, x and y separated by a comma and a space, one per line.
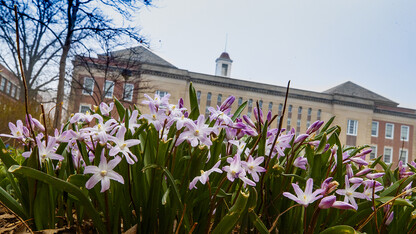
point(3, 84)
point(84, 105)
point(407, 155)
point(84, 89)
point(355, 127)
point(401, 130)
point(391, 155)
point(13, 91)
point(392, 131)
point(124, 92)
point(161, 93)
point(108, 89)
point(374, 148)
point(8, 87)
point(375, 135)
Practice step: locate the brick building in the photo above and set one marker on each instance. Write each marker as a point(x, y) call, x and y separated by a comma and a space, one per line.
point(364, 116)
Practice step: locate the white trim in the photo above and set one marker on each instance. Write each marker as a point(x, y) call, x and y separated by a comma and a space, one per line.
point(83, 105)
point(374, 148)
point(392, 131)
point(401, 130)
point(84, 91)
point(384, 154)
point(355, 127)
point(407, 155)
point(110, 89)
point(375, 135)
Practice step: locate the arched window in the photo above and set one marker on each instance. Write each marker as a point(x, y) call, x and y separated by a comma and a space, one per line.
point(240, 101)
point(270, 106)
point(250, 107)
point(300, 110)
point(219, 99)
point(198, 97)
point(261, 104)
point(318, 114)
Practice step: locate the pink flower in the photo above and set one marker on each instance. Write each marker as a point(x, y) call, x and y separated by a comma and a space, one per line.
point(252, 167)
point(104, 172)
point(350, 193)
point(123, 145)
point(304, 198)
point(203, 178)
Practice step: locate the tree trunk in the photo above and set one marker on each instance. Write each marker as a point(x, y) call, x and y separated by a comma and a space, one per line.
point(72, 17)
point(61, 86)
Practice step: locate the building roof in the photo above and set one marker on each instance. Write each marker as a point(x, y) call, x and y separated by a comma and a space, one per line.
point(142, 55)
point(353, 90)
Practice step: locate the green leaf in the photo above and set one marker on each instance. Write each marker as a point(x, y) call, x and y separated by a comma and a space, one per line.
point(398, 201)
point(5, 156)
point(239, 110)
point(63, 186)
point(12, 204)
point(194, 103)
point(327, 124)
point(120, 108)
point(258, 223)
point(165, 196)
point(391, 190)
point(340, 229)
point(229, 221)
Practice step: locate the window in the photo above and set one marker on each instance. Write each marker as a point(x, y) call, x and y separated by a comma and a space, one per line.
point(198, 97)
point(224, 69)
point(18, 93)
point(289, 122)
point(13, 94)
point(280, 108)
point(309, 111)
point(3, 83)
point(261, 104)
point(373, 153)
point(289, 110)
point(404, 133)
point(298, 123)
point(219, 99)
point(308, 124)
point(108, 89)
point(240, 101)
point(208, 104)
point(270, 106)
point(84, 108)
point(389, 130)
point(88, 86)
point(161, 93)
point(300, 110)
point(8, 86)
point(318, 114)
point(250, 107)
point(403, 156)
point(128, 92)
point(374, 129)
point(388, 151)
point(209, 99)
point(352, 127)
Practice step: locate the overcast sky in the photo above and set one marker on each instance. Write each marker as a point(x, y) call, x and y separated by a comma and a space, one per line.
point(316, 44)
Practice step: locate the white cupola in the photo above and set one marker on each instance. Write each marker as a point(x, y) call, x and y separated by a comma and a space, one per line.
point(223, 65)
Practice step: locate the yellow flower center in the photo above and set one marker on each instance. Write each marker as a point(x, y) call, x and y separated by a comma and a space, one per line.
point(251, 167)
point(348, 193)
point(196, 132)
point(103, 173)
point(304, 197)
point(123, 146)
point(154, 117)
point(202, 172)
